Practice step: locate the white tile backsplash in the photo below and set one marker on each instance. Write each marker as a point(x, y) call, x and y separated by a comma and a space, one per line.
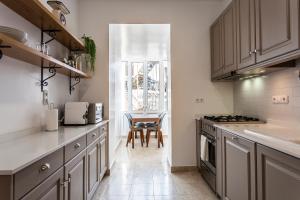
point(254, 96)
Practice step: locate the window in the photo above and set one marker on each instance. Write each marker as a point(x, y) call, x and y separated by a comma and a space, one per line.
point(144, 86)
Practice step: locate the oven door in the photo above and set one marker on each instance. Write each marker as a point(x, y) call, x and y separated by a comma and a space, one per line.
point(208, 151)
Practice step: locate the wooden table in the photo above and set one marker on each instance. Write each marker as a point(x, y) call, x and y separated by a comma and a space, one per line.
point(145, 118)
point(148, 118)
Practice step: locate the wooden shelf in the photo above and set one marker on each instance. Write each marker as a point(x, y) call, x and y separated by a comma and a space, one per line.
point(22, 52)
point(35, 12)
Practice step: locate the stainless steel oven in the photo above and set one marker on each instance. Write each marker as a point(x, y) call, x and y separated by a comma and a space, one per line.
point(207, 153)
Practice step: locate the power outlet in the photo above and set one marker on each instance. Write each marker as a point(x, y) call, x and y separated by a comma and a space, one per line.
point(199, 100)
point(280, 99)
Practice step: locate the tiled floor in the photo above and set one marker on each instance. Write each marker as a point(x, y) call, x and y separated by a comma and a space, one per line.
point(143, 174)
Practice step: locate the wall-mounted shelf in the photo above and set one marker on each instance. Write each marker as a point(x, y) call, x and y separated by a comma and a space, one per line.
point(22, 52)
point(35, 12)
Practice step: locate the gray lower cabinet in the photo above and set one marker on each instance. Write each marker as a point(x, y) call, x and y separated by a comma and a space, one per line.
point(238, 168)
point(50, 189)
point(72, 172)
point(103, 155)
point(219, 164)
point(93, 167)
point(75, 176)
point(278, 175)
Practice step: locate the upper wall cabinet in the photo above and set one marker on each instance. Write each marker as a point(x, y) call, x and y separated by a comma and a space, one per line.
point(216, 48)
point(255, 34)
point(223, 43)
point(245, 33)
point(229, 39)
point(277, 28)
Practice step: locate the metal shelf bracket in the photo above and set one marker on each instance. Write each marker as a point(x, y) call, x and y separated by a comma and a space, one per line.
point(51, 70)
point(51, 33)
point(72, 85)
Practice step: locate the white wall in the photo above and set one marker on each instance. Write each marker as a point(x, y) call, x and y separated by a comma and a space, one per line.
point(190, 60)
point(20, 96)
point(254, 96)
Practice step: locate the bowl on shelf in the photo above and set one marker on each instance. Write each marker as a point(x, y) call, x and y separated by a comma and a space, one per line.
point(18, 35)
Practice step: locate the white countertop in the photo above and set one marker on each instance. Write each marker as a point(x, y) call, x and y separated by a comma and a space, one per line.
point(282, 138)
point(19, 152)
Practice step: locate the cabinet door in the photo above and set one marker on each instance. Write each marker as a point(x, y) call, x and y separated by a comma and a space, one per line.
point(229, 39)
point(216, 49)
point(219, 163)
point(75, 174)
point(93, 165)
point(103, 152)
point(245, 32)
point(278, 175)
point(50, 189)
point(238, 168)
point(277, 27)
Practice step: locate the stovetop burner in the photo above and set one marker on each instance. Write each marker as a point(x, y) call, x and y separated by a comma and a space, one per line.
point(231, 118)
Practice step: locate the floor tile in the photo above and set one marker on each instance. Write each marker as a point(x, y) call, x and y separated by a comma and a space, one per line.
point(143, 174)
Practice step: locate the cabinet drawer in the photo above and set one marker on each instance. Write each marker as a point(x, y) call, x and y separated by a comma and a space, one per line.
point(74, 148)
point(92, 136)
point(103, 129)
point(31, 176)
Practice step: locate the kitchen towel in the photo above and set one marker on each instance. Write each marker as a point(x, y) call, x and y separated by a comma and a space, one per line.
point(52, 120)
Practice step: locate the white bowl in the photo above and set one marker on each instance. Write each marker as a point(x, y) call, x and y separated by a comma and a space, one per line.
point(14, 33)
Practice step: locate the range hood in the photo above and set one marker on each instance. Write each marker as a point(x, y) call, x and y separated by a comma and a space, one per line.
point(254, 71)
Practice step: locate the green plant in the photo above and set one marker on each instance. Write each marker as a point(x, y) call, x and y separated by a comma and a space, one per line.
point(90, 49)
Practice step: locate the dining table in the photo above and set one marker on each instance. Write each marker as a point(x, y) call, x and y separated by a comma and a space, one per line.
point(147, 118)
point(151, 117)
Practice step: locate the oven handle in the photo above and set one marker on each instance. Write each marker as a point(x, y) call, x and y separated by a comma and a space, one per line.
point(209, 139)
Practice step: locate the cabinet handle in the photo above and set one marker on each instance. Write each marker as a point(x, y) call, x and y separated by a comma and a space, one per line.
point(94, 135)
point(250, 53)
point(255, 51)
point(66, 182)
point(45, 167)
point(77, 145)
point(234, 138)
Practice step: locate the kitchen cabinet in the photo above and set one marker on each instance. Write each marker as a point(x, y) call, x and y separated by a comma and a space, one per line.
point(238, 168)
point(72, 172)
point(216, 48)
point(75, 176)
point(103, 155)
point(219, 164)
point(50, 189)
point(229, 39)
point(93, 167)
point(277, 27)
point(278, 175)
point(223, 43)
point(254, 34)
point(245, 32)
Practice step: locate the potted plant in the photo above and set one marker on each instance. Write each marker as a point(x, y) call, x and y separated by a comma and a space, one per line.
point(90, 53)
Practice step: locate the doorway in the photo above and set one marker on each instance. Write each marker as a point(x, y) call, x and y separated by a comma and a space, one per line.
point(139, 73)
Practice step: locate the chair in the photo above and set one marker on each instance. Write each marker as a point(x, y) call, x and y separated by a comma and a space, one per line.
point(157, 129)
point(134, 128)
point(153, 124)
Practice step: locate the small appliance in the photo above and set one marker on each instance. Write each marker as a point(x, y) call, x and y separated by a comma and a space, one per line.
point(76, 113)
point(95, 113)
